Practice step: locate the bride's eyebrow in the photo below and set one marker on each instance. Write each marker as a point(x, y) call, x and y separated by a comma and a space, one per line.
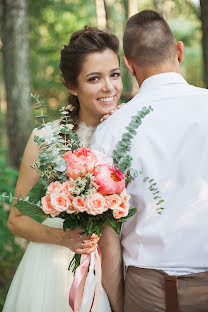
point(94, 73)
point(98, 73)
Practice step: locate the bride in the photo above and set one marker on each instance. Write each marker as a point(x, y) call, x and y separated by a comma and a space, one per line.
point(91, 73)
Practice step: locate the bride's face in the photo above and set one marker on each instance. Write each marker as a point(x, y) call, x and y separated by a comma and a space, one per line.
point(99, 85)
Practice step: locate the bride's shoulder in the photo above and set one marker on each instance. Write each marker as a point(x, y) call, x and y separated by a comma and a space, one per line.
point(46, 129)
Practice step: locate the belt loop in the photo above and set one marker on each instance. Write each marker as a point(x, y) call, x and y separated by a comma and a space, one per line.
point(171, 294)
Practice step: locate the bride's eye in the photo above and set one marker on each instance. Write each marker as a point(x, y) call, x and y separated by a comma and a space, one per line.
point(93, 79)
point(115, 75)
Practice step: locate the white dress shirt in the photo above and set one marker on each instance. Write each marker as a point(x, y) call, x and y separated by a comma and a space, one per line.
point(171, 146)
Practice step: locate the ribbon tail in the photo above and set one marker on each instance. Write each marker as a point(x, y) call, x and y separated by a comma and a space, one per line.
point(77, 288)
point(98, 284)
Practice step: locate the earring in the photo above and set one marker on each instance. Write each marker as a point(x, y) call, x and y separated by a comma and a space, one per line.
point(75, 93)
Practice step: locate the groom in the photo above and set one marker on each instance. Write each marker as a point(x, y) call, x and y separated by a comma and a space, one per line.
point(166, 255)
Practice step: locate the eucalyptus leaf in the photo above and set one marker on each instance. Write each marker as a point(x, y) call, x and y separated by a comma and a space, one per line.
point(29, 209)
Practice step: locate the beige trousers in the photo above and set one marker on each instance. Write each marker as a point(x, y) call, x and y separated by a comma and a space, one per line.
point(145, 291)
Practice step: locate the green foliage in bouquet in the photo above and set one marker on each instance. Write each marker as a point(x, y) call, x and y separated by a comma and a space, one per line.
point(91, 224)
point(123, 160)
point(54, 144)
point(30, 205)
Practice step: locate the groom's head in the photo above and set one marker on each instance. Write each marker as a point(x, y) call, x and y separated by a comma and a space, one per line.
point(150, 45)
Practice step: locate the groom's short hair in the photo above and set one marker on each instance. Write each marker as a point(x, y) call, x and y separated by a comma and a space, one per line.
point(148, 39)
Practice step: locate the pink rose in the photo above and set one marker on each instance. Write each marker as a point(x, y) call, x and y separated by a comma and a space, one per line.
point(124, 196)
point(79, 204)
point(54, 187)
point(79, 162)
point(110, 179)
point(120, 213)
point(67, 187)
point(47, 207)
point(113, 201)
point(123, 209)
point(60, 201)
point(96, 204)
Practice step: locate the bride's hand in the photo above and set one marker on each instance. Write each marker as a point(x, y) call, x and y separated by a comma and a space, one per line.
point(111, 112)
point(79, 242)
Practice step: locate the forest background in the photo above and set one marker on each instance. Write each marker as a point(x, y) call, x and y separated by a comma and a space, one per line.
point(32, 34)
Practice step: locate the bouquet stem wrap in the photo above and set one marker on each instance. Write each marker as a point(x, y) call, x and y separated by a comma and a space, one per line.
point(81, 288)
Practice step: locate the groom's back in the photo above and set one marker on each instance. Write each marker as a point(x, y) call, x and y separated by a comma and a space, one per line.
point(171, 147)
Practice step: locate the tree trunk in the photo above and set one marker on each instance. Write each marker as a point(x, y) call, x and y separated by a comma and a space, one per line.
point(14, 32)
point(132, 7)
point(157, 5)
point(101, 15)
point(204, 19)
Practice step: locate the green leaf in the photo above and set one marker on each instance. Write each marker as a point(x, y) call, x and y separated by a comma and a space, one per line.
point(132, 212)
point(37, 192)
point(114, 224)
point(29, 209)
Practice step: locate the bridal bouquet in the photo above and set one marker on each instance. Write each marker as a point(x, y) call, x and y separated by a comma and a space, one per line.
point(92, 195)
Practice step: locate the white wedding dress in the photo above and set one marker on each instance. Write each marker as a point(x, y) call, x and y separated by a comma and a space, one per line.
point(42, 280)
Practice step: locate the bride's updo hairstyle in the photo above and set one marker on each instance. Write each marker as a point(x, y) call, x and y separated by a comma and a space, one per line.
point(82, 43)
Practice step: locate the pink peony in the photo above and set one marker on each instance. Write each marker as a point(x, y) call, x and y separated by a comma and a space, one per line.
point(79, 204)
point(80, 162)
point(96, 204)
point(54, 187)
point(47, 207)
point(60, 201)
point(110, 179)
point(113, 201)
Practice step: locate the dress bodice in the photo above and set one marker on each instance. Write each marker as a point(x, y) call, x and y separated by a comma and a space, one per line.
point(85, 134)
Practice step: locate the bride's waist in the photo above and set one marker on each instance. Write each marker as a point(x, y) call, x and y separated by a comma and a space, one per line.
point(54, 222)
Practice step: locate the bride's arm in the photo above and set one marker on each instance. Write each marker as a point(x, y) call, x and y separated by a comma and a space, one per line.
point(30, 229)
point(112, 268)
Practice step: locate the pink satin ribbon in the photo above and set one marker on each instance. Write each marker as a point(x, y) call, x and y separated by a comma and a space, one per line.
point(77, 288)
point(98, 280)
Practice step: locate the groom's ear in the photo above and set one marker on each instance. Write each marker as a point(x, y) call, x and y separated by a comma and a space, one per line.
point(180, 50)
point(129, 65)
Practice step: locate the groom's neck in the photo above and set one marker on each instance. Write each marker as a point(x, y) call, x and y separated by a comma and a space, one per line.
point(146, 72)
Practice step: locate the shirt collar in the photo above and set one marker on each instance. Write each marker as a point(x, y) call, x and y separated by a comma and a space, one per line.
point(161, 79)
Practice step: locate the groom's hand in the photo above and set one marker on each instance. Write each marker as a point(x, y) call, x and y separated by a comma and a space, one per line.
point(111, 112)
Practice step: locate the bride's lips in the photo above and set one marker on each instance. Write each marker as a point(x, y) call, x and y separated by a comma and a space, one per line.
point(107, 99)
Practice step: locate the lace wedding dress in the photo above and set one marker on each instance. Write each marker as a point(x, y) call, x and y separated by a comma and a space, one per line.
point(42, 280)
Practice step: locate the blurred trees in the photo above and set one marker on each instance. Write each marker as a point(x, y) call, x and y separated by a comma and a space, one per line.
point(101, 14)
point(14, 32)
point(204, 19)
point(51, 23)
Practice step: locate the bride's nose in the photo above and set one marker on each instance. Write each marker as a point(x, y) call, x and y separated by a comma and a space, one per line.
point(107, 85)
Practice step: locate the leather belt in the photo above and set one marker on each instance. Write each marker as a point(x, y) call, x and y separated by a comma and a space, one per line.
point(171, 293)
